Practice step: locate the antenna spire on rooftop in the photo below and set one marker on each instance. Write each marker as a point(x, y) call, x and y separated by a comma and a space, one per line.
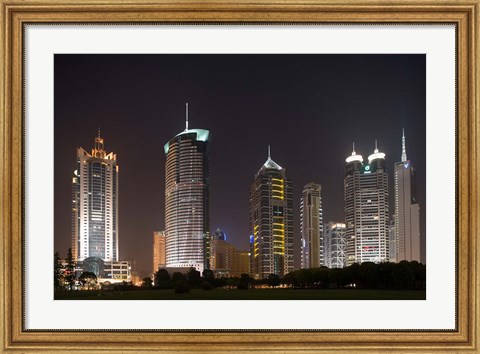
point(404, 150)
point(376, 147)
point(186, 116)
point(353, 149)
point(99, 147)
point(269, 151)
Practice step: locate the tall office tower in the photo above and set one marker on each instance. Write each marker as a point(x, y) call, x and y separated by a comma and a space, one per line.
point(407, 210)
point(95, 204)
point(271, 222)
point(335, 245)
point(392, 242)
point(366, 208)
point(187, 199)
point(311, 225)
point(158, 250)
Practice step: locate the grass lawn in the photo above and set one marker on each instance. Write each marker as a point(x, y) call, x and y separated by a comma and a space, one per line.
point(251, 294)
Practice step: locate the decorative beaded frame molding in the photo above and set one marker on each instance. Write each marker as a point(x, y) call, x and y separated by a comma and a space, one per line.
point(15, 14)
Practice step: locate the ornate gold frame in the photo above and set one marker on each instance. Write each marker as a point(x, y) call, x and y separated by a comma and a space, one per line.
point(464, 13)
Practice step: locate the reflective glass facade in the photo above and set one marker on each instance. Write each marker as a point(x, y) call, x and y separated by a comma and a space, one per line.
point(187, 200)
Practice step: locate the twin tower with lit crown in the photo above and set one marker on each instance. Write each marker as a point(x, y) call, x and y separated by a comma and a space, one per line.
point(370, 234)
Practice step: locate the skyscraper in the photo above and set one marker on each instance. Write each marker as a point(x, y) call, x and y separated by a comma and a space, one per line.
point(407, 210)
point(271, 221)
point(95, 204)
point(366, 208)
point(187, 198)
point(158, 250)
point(335, 245)
point(311, 225)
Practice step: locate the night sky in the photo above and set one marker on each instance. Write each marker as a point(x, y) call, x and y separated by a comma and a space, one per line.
point(309, 108)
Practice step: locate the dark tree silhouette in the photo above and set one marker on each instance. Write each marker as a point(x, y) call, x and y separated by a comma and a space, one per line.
point(88, 279)
point(162, 279)
point(208, 275)
point(273, 280)
point(147, 282)
point(194, 278)
point(57, 271)
point(69, 274)
point(178, 277)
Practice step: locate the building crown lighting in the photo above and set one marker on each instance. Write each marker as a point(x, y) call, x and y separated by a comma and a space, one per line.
point(270, 163)
point(376, 154)
point(354, 156)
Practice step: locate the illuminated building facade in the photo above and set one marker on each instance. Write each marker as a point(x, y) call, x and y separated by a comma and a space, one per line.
point(220, 252)
point(366, 208)
point(335, 243)
point(271, 222)
point(112, 271)
point(225, 259)
point(407, 210)
point(95, 204)
point(187, 199)
point(158, 250)
point(392, 242)
point(311, 224)
point(240, 263)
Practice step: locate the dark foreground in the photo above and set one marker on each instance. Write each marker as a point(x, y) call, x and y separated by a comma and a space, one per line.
point(251, 294)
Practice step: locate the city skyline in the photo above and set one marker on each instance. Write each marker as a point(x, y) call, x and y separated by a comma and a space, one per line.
point(236, 166)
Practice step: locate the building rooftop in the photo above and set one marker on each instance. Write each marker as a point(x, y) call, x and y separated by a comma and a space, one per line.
point(201, 135)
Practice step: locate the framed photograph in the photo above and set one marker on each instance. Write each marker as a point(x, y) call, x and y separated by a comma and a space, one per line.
point(295, 176)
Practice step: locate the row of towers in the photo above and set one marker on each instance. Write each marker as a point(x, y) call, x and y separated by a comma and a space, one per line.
point(363, 237)
point(367, 233)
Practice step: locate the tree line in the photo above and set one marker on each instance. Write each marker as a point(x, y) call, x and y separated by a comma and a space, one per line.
point(64, 278)
point(398, 276)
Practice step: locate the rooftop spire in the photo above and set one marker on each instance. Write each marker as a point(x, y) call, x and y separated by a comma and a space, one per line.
point(270, 163)
point(99, 150)
point(354, 156)
point(404, 151)
point(186, 116)
point(376, 147)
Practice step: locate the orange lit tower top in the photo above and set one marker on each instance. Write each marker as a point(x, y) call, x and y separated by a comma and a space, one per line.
point(95, 204)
